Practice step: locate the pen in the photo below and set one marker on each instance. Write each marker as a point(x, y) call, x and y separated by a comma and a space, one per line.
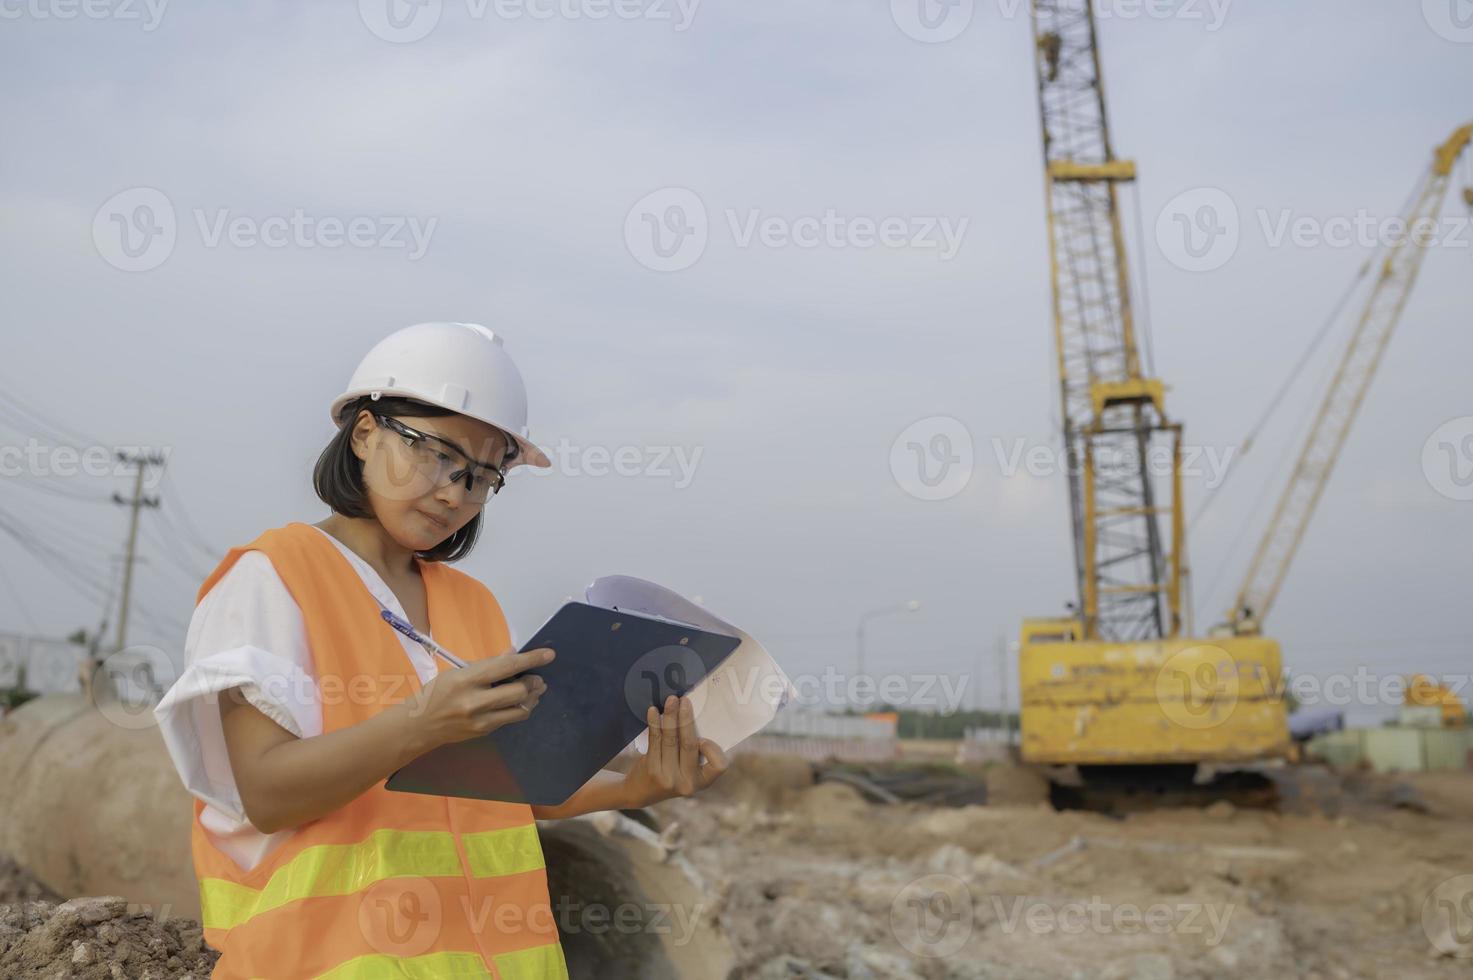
point(424, 641)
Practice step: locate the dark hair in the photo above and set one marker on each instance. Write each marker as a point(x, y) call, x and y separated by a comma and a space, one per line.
point(338, 475)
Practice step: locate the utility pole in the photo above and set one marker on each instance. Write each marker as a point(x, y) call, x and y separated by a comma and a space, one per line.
point(1002, 690)
point(137, 502)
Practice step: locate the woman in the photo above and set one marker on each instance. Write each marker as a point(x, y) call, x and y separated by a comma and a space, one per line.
point(307, 865)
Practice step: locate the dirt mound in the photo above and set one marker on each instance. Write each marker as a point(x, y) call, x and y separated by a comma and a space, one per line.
point(1009, 784)
point(19, 885)
point(98, 938)
point(763, 780)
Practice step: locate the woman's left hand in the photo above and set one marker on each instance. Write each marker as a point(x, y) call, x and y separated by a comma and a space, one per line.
point(672, 765)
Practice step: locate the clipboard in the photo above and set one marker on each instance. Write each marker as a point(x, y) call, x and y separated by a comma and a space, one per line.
point(611, 666)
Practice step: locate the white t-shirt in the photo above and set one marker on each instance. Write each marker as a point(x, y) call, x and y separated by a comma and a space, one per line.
point(248, 632)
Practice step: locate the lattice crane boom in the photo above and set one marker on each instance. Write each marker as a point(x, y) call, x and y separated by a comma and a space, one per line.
point(1396, 276)
point(1129, 584)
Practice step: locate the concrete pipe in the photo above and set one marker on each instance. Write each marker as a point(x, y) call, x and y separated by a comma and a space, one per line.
point(93, 806)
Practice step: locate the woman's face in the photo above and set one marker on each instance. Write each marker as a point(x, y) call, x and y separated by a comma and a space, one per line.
point(401, 490)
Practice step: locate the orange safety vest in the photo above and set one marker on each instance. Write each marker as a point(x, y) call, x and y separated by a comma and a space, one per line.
point(391, 884)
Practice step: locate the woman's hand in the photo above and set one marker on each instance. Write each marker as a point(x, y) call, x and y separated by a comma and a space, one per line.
point(473, 700)
point(672, 766)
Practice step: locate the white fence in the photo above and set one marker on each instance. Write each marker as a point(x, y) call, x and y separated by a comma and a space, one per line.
point(50, 665)
point(816, 724)
point(817, 736)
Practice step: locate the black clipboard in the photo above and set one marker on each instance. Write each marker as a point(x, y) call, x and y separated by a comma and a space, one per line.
point(611, 666)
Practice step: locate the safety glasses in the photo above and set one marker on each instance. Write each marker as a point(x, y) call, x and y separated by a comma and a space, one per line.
point(443, 464)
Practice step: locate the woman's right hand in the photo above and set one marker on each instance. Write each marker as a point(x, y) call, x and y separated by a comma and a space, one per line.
point(464, 702)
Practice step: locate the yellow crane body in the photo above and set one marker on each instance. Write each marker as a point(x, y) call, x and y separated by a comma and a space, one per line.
point(1165, 702)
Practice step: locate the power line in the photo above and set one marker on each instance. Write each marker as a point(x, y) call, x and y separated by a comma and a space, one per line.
point(1370, 263)
point(29, 421)
point(169, 548)
point(20, 604)
point(60, 563)
point(1144, 310)
point(55, 491)
point(191, 532)
point(1289, 382)
point(69, 435)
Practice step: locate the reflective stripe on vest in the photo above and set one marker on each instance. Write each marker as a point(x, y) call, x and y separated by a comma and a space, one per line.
point(528, 964)
point(341, 869)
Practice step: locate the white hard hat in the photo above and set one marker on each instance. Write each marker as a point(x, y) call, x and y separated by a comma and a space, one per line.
point(459, 366)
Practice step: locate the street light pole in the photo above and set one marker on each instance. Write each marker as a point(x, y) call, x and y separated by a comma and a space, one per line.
point(903, 607)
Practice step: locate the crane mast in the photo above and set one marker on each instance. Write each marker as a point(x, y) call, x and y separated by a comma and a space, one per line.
point(1113, 415)
point(1357, 368)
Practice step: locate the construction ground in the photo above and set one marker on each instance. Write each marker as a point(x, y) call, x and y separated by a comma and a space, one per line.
point(815, 879)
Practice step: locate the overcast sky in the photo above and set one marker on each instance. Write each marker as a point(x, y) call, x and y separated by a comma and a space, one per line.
point(782, 359)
